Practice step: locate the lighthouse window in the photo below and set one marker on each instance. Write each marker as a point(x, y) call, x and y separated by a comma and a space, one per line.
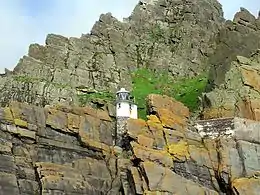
point(123, 96)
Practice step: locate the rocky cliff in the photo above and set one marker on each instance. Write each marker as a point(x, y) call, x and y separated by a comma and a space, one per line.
point(69, 150)
point(162, 35)
point(238, 37)
point(52, 143)
point(239, 94)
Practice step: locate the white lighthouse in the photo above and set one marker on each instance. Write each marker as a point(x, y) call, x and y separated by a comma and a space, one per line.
point(125, 109)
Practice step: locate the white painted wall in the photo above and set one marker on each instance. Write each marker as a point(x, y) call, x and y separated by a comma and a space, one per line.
point(133, 112)
point(124, 110)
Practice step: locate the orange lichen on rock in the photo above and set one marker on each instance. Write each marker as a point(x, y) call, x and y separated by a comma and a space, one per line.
point(136, 127)
point(251, 76)
point(156, 101)
point(247, 186)
point(170, 120)
point(221, 112)
point(180, 150)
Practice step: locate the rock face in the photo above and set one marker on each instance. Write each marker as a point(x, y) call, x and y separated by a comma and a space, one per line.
point(162, 35)
point(69, 150)
point(239, 94)
point(56, 150)
point(49, 145)
point(240, 37)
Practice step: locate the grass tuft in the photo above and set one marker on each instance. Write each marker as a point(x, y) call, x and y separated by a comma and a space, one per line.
point(184, 90)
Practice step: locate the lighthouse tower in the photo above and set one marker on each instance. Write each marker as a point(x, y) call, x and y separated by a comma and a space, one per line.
point(125, 109)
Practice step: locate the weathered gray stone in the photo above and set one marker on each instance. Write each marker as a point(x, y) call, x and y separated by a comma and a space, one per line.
point(238, 96)
point(7, 164)
point(8, 184)
point(174, 36)
point(28, 187)
point(237, 38)
point(249, 153)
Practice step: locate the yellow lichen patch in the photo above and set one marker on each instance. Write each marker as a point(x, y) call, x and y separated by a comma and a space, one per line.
point(224, 111)
point(250, 77)
point(154, 123)
point(89, 111)
point(247, 185)
point(179, 150)
point(20, 123)
point(147, 154)
point(154, 119)
point(26, 133)
point(62, 108)
point(16, 108)
point(136, 127)
point(171, 120)
point(8, 116)
point(146, 192)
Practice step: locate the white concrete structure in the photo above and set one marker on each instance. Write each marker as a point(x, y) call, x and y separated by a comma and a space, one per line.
point(133, 111)
point(125, 107)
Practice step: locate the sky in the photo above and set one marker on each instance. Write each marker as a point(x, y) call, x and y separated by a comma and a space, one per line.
point(29, 21)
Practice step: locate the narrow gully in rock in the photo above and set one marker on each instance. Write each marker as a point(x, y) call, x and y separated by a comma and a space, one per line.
point(224, 187)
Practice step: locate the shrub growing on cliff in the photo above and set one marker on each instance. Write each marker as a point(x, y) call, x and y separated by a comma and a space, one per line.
point(186, 91)
point(88, 97)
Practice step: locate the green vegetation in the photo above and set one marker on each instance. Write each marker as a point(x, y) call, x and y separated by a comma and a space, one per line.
point(145, 82)
point(25, 79)
point(85, 98)
point(185, 90)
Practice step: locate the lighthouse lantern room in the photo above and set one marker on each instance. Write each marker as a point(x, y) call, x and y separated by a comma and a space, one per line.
point(125, 107)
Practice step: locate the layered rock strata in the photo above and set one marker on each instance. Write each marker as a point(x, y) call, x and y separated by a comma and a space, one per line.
point(69, 150)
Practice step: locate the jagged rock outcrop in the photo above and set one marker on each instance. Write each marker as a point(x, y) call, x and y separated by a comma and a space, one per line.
point(240, 37)
point(239, 95)
point(69, 150)
point(173, 36)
